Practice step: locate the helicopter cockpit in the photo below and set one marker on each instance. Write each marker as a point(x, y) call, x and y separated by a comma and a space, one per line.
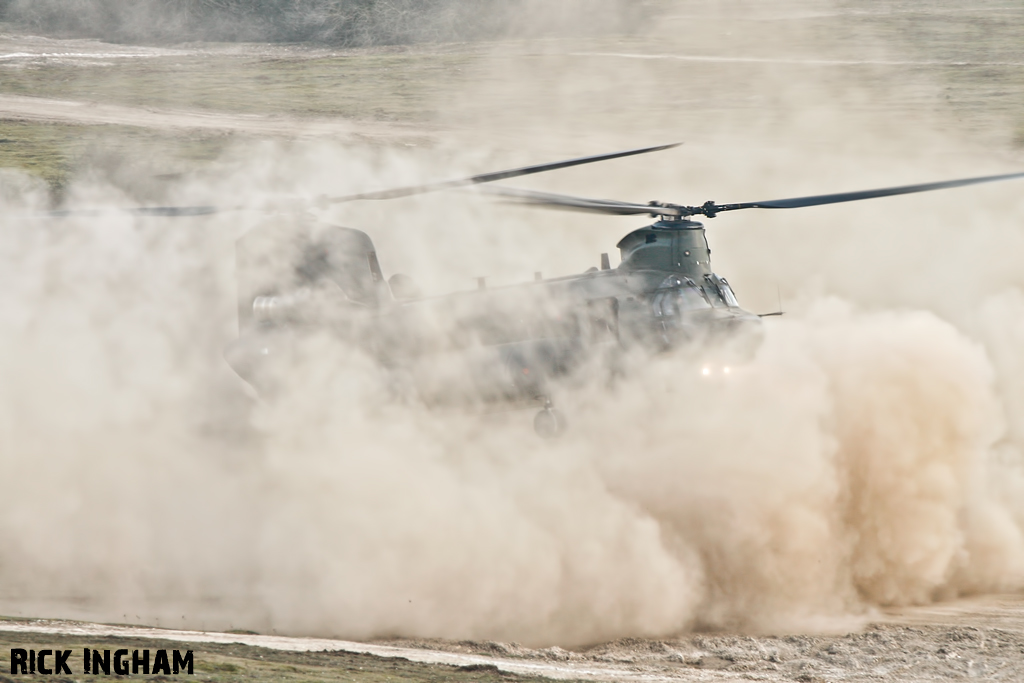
point(676, 299)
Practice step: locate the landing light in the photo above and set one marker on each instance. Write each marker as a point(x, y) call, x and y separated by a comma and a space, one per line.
point(713, 370)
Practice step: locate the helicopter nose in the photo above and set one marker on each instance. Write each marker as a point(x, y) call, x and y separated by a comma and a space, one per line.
point(743, 330)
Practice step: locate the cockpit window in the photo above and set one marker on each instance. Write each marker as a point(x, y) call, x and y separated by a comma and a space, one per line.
point(726, 291)
point(676, 295)
point(691, 297)
point(719, 292)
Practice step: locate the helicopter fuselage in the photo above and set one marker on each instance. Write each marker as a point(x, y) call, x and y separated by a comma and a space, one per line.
point(495, 344)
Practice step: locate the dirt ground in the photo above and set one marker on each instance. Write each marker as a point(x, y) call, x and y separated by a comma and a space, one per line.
point(980, 637)
point(21, 108)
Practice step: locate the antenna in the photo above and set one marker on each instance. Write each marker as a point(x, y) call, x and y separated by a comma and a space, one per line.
point(778, 293)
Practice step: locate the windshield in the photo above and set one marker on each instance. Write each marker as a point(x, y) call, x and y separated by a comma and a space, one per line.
point(726, 291)
point(690, 297)
point(676, 295)
point(719, 292)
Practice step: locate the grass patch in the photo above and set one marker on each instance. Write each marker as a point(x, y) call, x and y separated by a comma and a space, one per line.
point(381, 86)
point(48, 152)
point(390, 86)
point(231, 663)
point(56, 152)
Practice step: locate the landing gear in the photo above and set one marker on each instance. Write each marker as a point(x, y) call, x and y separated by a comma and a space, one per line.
point(548, 423)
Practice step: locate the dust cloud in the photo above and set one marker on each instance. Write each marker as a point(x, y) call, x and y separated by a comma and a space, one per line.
point(868, 455)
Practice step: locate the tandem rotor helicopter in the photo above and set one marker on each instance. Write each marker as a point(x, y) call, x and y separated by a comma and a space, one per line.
point(509, 344)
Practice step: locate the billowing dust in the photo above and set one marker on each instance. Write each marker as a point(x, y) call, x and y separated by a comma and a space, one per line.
point(869, 455)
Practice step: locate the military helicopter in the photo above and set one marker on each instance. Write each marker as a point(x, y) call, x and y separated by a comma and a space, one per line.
point(506, 345)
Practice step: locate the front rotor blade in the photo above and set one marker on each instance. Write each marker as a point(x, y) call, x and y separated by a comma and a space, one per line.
point(817, 200)
point(491, 177)
point(570, 203)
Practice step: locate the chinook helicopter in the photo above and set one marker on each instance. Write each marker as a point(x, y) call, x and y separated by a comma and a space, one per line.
point(508, 344)
point(505, 345)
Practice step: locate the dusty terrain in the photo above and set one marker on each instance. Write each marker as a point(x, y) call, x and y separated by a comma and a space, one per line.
point(22, 108)
point(979, 638)
point(786, 81)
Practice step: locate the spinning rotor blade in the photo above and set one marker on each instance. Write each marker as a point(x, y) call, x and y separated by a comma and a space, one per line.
point(710, 208)
point(179, 211)
point(570, 203)
point(491, 177)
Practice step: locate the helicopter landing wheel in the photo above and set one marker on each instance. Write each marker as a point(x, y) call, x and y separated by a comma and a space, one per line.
point(548, 423)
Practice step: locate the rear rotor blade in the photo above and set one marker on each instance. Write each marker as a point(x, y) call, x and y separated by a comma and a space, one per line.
point(180, 211)
point(710, 209)
point(491, 177)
